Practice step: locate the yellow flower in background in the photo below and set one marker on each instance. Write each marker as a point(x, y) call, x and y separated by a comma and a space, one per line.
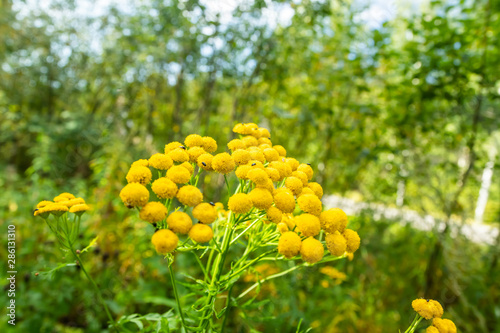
point(153, 212)
point(164, 241)
point(205, 213)
point(308, 224)
point(179, 222)
point(55, 209)
point(79, 208)
point(164, 188)
point(352, 239)
point(310, 203)
point(289, 244)
point(189, 195)
point(193, 140)
point(139, 174)
point(160, 161)
point(178, 174)
point(43, 203)
point(223, 163)
point(336, 244)
point(134, 195)
point(240, 203)
point(209, 144)
point(312, 250)
point(432, 329)
point(333, 220)
point(201, 233)
point(264, 133)
point(427, 308)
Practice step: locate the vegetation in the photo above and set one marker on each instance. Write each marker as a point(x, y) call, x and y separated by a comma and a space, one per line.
point(403, 112)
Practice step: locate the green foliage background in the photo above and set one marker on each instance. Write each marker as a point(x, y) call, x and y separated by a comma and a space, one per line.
point(411, 101)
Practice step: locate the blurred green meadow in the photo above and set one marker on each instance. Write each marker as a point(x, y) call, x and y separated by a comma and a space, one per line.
point(392, 103)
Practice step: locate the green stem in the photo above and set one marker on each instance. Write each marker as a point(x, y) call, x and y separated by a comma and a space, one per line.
point(96, 287)
point(177, 300)
point(270, 277)
point(217, 271)
point(228, 304)
point(414, 324)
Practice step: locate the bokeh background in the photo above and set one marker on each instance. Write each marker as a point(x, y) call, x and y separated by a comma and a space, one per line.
point(394, 103)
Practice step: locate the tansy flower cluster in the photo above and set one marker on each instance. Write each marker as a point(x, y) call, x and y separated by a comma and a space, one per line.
point(61, 204)
point(274, 187)
point(431, 309)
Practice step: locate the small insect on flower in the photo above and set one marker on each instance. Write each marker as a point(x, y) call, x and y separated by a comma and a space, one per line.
point(205, 213)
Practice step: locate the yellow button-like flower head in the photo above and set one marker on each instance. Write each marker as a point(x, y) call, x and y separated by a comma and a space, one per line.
point(241, 156)
point(209, 144)
point(352, 239)
point(289, 244)
point(179, 222)
point(274, 214)
point(164, 241)
point(306, 168)
point(153, 212)
point(427, 308)
point(310, 203)
point(205, 213)
point(193, 140)
point(308, 224)
point(240, 203)
point(201, 233)
point(205, 162)
point(336, 244)
point(312, 250)
point(284, 201)
point(164, 188)
point(134, 195)
point(261, 198)
point(223, 163)
point(139, 174)
point(333, 220)
point(294, 184)
point(189, 195)
point(160, 161)
point(178, 174)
